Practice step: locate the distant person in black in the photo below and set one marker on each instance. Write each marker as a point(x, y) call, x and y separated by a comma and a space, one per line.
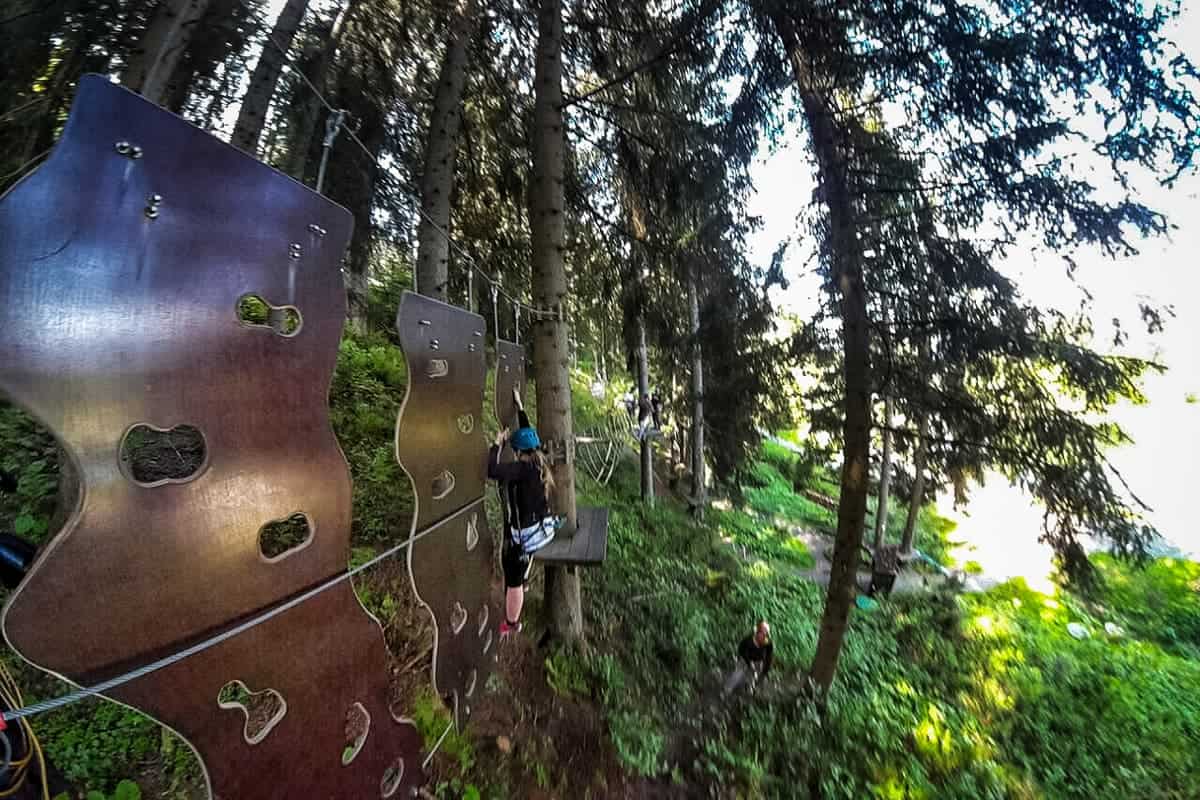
point(526, 485)
point(656, 409)
point(755, 653)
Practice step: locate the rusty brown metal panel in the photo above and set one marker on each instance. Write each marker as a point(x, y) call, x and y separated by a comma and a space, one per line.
point(122, 263)
point(322, 656)
point(451, 567)
point(439, 440)
point(439, 434)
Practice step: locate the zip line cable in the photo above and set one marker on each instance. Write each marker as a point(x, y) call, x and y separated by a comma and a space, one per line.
point(539, 313)
point(20, 171)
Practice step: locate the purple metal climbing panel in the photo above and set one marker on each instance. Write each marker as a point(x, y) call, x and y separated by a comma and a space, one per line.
point(440, 445)
point(154, 279)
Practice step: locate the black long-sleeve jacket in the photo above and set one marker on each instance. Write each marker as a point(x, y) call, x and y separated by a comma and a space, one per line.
point(751, 652)
point(521, 483)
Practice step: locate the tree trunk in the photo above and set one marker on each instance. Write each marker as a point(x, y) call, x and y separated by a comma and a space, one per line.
point(215, 38)
point(153, 61)
point(699, 487)
point(847, 267)
point(253, 113)
point(885, 474)
point(918, 489)
point(306, 113)
point(647, 450)
point(441, 147)
point(550, 339)
point(885, 460)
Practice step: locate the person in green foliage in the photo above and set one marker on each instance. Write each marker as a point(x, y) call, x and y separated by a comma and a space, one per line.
point(755, 652)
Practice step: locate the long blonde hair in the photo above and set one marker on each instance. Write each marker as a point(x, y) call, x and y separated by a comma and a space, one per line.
point(545, 473)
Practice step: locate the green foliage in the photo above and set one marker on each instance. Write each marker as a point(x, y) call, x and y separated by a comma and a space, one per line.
point(28, 455)
point(588, 412)
point(1160, 603)
point(564, 673)
point(368, 387)
point(126, 790)
point(431, 718)
point(638, 741)
point(96, 743)
point(938, 696)
point(765, 540)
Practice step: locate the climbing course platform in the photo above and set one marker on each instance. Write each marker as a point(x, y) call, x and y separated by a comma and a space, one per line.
point(587, 546)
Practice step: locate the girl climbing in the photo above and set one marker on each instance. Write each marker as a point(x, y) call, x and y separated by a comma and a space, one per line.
point(526, 485)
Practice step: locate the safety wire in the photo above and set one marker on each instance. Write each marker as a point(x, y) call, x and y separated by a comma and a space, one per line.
point(90, 691)
point(6, 116)
point(14, 116)
point(538, 313)
point(16, 770)
point(21, 170)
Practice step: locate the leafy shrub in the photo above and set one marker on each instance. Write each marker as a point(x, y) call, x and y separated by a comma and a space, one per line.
point(368, 388)
point(97, 743)
point(937, 696)
point(1159, 603)
point(28, 457)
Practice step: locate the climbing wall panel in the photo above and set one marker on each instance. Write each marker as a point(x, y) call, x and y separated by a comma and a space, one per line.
point(510, 374)
point(159, 285)
point(451, 567)
point(440, 445)
point(439, 433)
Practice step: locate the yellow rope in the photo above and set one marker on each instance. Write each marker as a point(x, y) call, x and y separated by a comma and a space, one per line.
point(10, 692)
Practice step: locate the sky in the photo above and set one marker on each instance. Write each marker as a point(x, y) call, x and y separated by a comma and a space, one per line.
point(1164, 460)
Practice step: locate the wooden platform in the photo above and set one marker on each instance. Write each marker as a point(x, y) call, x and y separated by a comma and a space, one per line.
point(588, 545)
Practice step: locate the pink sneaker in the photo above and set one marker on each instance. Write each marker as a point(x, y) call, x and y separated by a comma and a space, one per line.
point(506, 630)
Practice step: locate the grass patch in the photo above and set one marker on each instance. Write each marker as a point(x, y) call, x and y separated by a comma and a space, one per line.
point(976, 696)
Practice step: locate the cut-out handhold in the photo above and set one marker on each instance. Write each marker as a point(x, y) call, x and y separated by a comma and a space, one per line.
point(358, 725)
point(487, 643)
point(483, 619)
point(472, 532)
point(443, 484)
point(458, 617)
point(256, 312)
point(471, 684)
point(438, 368)
point(263, 709)
point(280, 538)
point(152, 456)
point(466, 423)
point(391, 778)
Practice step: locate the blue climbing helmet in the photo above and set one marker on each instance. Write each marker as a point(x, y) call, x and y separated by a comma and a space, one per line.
point(526, 439)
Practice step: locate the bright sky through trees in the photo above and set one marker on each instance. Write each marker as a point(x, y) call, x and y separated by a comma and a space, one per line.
point(1162, 463)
